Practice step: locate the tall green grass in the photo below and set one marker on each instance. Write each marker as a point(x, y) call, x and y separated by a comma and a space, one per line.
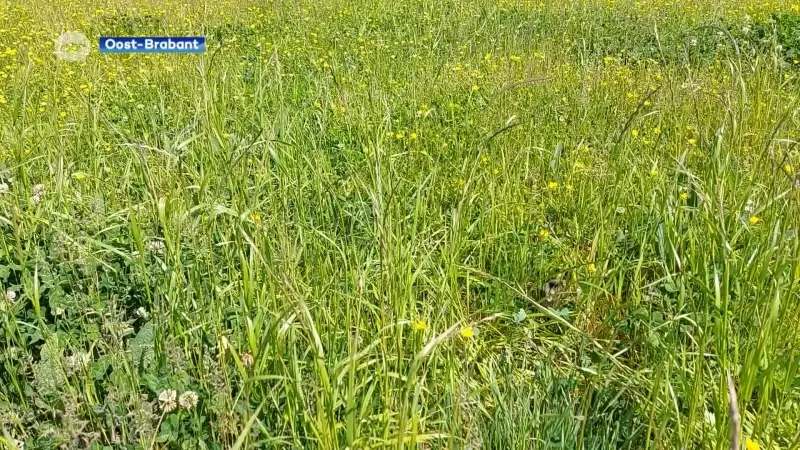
point(339, 225)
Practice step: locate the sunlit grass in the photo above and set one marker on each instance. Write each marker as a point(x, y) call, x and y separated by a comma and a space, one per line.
point(401, 224)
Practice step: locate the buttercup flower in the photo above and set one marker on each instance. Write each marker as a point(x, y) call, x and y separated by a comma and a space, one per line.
point(750, 444)
point(467, 332)
point(420, 325)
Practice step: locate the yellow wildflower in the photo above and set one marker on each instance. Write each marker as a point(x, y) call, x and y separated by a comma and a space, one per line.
point(552, 185)
point(467, 332)
point(591, 268)
point(750, 444)
point(420, 325)
point(754, 220)
point(544, 234)
point(79, 175)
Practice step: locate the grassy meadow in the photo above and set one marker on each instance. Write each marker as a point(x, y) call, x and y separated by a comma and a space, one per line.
point(430, 224)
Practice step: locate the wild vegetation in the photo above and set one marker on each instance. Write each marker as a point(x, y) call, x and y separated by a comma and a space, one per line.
point(483, 224)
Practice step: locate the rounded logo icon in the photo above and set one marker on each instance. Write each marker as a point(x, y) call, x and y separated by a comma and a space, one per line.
point(72, 46)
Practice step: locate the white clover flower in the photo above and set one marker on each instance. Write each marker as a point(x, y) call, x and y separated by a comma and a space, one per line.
point(142, 312)
point(188, 400)
point(19, 444)
point(4, 188)
point(38, 194)
point(167, 400)
point(11, 296)
point(749, 207)
point(77, 362)
point(71, 363)
point(156, 246)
